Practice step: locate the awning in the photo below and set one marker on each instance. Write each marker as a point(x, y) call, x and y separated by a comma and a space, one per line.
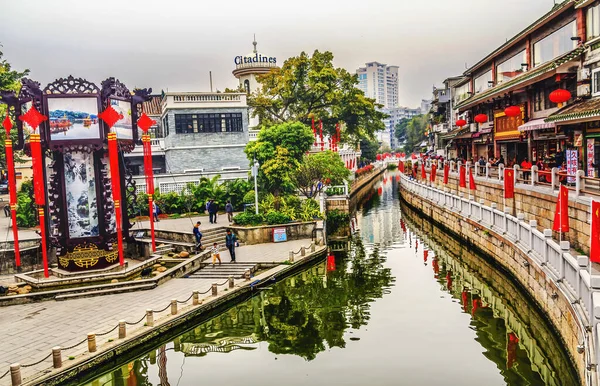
point(537, 124)
point(466, 135)
point(587, 110)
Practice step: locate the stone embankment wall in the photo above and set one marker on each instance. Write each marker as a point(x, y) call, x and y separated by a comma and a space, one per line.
point(531, 276)
point(264, 234)
point(536, 203)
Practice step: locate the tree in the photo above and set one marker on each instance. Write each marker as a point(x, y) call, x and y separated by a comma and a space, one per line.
point(317, 168)
point(279, 150)
point(400, 128)
point(415, 132)
point(310, 86)
point(368, 148)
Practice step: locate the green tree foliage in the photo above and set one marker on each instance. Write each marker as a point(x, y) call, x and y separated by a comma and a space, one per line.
point(325, 167)
point(279, 150)
point(400, 128)
point(26, 213)
point(415, 132)
point(310, 86)
point(368, 149)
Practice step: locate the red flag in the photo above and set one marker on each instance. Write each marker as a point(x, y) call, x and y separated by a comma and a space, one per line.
point(511, 349)
point(401, 166)
point(433, 172)
point(561, 215)
point(509, 183)
point(446, 173)
point(425, 255)
point(413, 156)
point(462, 181)
point(595, 233)
point(472, 185)
point(423, 173)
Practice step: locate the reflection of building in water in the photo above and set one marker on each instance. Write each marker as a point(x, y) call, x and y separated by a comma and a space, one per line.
point(498, 309)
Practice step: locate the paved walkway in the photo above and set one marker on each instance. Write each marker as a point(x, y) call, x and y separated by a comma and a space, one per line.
point(184, 224)
point(29, 331)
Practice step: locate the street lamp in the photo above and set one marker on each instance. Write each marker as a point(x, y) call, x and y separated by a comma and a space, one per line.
point(255, 174)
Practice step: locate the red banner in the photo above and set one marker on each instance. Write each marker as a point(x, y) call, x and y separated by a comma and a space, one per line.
point(433, 172)
point(321, 129)
point(423, 172)
point(115, 178)
point(401, 166)
point(561, 215)
point(312, 122)
point(472, 185)
point(462, 182)
point(509, 183)
point(446, 173)
point(595, 233)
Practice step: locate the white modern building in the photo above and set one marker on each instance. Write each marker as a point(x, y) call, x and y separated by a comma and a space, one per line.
point(396, 114)
point(380, 82)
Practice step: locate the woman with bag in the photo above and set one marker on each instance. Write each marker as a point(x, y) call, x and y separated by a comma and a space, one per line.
point(231, 243)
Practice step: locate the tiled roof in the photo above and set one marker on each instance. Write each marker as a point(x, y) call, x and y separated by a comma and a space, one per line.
point(504, 86)
point(152, 107)
point(584, 109)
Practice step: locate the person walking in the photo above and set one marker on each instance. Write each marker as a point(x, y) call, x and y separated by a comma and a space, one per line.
point(198, 236)
point(155, 211)
point(212, 211)
point(229, 211)
point(215, 254)
point(231, 243)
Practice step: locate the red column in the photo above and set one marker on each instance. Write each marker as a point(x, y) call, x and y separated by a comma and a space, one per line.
point(115, 178)
point(581, 27)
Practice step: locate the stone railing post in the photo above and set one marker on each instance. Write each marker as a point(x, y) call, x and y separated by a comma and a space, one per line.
point(231, 281)
point(534, 175)
point(122, 329)
point(481, 204)
point(579, 182)
point(15, 374)
point(302, 251)
point(532, 226)
point(487, 170)
point(173, 306)
point(516, 168)
point(346, 192)
point(56, 357)
point(554, 178)
point(91, 342)
point(452, 166)
point(564, 248)
point(313, 247)
point(583, 263)
point(214, 289)
point(196, 298)
point(548, 236)
point(291, 257)
point(505, 219)
point(501, 172)
point(247, 274)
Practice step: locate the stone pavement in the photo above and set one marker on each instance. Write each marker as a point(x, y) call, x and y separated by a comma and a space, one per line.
point(182, 224)
point(29, 331)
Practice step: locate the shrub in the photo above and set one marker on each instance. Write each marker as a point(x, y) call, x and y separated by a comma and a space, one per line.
point(392, 167)
point(364, 170)
point(309, 210)
point(25, 211)
point(247, 218)
point(274, 218)
point(335, 220)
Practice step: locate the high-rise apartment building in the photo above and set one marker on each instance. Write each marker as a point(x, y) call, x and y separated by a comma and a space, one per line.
point(380, 82)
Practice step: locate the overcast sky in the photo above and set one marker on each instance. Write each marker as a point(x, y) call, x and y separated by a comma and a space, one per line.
point(173, 44)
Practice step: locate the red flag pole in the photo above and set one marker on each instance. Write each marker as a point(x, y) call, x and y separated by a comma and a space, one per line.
point(321, 134)
point(12, 188)
point(113, 155)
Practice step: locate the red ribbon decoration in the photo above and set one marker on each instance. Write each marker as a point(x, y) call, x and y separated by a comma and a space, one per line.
point(33, 118)
point(144, 122)
point(321, 135)
point(110, 116)
point(12, 187)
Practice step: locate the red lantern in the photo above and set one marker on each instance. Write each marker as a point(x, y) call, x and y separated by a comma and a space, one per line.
point(461, 123)
point(481, 118)
point(560, 96)
point(512, 111)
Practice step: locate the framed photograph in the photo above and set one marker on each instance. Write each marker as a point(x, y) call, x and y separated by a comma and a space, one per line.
point(81, 195)
point(73, 118)
point(123, 127)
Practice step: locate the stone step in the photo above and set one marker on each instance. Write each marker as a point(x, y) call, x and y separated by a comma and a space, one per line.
point(110, 291)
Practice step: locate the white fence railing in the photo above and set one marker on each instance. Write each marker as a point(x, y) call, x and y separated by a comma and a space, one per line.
point(572, 275)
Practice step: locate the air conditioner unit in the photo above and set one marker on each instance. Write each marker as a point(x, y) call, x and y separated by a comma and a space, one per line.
point(583, 75)
point(583, 90)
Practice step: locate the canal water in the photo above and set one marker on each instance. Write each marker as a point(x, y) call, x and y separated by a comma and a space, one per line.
point(406, 305)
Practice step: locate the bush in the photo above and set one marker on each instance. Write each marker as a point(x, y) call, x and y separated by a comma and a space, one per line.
point(247, 218)
point(335, 220)
point(392, 167)
point(26, 213)
point(274, 218)
point(364, 170)
point(309, 210)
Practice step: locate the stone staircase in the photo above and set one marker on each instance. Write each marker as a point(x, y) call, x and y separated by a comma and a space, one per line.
point(223, 271)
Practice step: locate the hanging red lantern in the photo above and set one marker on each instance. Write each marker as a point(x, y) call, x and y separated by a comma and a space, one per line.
point(560, 96)
point(481, 118)
point(461, 123)
point(512, 111)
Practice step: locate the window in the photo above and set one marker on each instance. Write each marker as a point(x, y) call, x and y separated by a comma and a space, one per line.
point(593, 22)
point(208, 123)
point(461, 93)
point(554, 45)
point(596, 82)
point(481, 82)
point(511, 68)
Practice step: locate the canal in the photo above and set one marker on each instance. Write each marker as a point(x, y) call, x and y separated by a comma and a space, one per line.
point(406, 305)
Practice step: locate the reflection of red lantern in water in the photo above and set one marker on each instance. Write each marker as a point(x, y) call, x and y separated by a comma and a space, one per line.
point(436, 267)
point(330, 263)
point(511, 349)
point(476, 305)
point(449, 280)
point(425, 255)
point(380, 190)
point(465, 300)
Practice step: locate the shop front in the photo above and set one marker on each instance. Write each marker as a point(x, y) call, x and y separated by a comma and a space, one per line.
point(508, 141)
point(483, 144)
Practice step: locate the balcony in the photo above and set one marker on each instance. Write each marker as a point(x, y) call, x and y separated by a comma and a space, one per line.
point(440, 128)
point(157, 145)
point(188, 100)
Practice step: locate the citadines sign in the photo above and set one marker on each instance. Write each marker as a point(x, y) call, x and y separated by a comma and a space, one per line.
point(257, 58)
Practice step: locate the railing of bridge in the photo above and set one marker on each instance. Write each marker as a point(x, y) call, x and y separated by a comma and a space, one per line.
point(572, 275)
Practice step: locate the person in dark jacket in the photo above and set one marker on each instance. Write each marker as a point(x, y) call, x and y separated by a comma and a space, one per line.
point(230, 243)
point(229, 211)
point(198, 236)
point(212, 212)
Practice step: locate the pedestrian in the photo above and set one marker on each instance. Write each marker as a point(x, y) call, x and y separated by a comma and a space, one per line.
point(231, 243)
point(526, 166)
point(215, 254)
point(198, 236)
point(207, 205)
point(229, 211)
point(155, 211)
point(212, 211)
point(481, 168)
